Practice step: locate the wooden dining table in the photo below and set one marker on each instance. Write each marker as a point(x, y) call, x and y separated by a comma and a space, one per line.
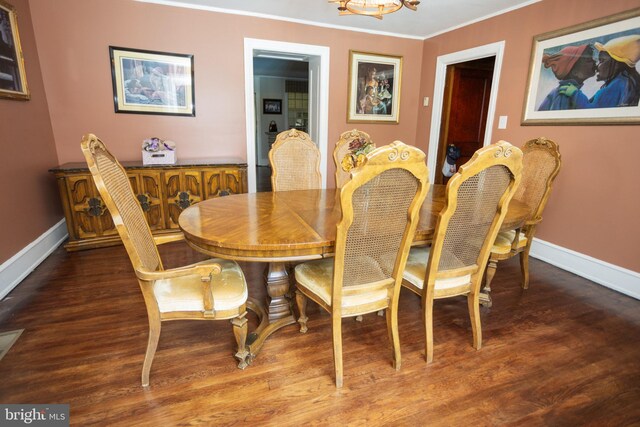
point(278, 228)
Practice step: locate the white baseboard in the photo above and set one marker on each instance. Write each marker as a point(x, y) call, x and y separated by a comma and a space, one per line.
point(605, 274)
point(19, 266)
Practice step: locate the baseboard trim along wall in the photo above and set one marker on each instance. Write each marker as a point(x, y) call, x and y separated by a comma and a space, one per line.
point(605, 274)
point(19, 266)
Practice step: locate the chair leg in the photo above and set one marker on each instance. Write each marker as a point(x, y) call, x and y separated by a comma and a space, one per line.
point(524, 266)
point(337, 347)
point(492, 266)
point(152, 344)
point(474, 313)
point(301, 301)
point(394, 338)
point(240, 329)
point(427, 312)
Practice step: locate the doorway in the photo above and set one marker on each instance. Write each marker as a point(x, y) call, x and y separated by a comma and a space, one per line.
point(317, 60)
point(464, 112)
point(484, 127)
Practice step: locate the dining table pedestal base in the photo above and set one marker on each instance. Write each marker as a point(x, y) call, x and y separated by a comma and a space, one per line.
point(276, 313)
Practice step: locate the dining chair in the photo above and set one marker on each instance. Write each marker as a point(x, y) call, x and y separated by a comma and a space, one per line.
point(476, 203)
point(295, 162)
point(342, 148)
point(540, 166)
point(380, 206)
point(209, 290)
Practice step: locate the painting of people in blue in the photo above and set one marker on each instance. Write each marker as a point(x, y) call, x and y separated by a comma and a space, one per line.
point(617, 69)
point(572, 65)
point(595, 73)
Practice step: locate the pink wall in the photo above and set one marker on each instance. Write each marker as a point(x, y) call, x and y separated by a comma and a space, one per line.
point(30, 203)
point(594, 208)
point(74, 36)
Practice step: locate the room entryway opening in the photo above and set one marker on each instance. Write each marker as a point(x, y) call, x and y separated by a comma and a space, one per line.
point(286, 86)
point(464, 103)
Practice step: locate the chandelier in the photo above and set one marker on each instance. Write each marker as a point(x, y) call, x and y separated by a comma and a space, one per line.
point(375, 8)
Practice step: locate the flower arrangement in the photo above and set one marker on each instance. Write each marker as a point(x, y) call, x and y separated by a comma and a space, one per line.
point(155, 144)
point(358, 149)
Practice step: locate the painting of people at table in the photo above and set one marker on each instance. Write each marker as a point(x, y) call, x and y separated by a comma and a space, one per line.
point(152, 82)
point(602, 72)
point(375, 86)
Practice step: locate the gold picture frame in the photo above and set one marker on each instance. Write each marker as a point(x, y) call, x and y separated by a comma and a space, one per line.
point(561, 89)
point(374, 88)
point(13, 78)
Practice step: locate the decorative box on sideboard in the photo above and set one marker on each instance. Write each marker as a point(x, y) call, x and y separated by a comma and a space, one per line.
point(163, 191)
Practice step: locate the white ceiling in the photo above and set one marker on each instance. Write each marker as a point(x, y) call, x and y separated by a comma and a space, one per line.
point(432, 17)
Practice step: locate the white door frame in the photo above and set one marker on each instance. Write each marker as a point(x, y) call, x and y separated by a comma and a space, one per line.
point(320, 129)
point(493, 49)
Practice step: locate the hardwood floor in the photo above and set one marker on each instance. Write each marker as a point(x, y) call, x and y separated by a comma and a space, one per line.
point(565, 352)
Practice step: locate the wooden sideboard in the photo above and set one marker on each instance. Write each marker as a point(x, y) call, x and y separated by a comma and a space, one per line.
point(164, 191)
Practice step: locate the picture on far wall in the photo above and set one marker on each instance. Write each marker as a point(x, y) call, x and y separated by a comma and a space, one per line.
point(588, 74)
point(271, 106)
point(374, 88)
point(148, 82)
point(13, 79)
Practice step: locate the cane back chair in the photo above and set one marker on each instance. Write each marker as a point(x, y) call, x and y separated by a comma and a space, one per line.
point(342, 148)
point(476, 203)
point(209, 290)
point(295, 162)
point(540, 166)
point(380, 206)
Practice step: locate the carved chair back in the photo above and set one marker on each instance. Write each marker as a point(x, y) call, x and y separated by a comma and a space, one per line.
point(115, 189)
point(295, 162)
point(380, 207)
point(476, 203)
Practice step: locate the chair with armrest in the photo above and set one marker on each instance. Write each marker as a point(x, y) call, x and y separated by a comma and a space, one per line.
point(209, 290)
point(295, 162)
point(476, 203)
point(380, 206)
point(342, 148)
point(540, 166)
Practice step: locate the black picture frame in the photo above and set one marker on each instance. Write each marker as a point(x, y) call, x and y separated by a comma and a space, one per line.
point(151, 82)
point(272, 106)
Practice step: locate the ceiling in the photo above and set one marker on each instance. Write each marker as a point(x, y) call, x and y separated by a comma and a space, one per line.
point(433, 17)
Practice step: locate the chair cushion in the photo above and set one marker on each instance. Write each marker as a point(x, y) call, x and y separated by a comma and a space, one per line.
point(317, 277)
point(416, 270)
point(186, 293)
point(502, 245)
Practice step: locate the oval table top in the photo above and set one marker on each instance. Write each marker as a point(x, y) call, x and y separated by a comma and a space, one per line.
point(290, 225)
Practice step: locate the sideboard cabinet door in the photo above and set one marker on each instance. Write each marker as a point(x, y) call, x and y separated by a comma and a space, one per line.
point(90, 217)
point(182, 189)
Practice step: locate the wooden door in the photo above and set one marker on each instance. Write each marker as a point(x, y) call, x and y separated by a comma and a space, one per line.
point(465, 109)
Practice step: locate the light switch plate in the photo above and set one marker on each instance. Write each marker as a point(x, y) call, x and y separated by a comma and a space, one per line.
point(425, 101)
point(502, 122)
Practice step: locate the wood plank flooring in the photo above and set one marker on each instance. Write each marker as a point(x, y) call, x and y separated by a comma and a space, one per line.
point(565, 352)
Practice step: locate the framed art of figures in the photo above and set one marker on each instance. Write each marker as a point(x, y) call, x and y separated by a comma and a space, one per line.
point(587, 74)
point(13, 79)
point(374, 88)
point(148, 82)
point(271, 106)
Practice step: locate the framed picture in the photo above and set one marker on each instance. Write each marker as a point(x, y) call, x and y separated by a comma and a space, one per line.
point(147, 82)
point(374, 88)
point(271, 106)
point(586, 74)
point(13, 79)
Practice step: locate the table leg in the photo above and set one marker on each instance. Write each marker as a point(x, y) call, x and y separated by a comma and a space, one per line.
point(276, 314)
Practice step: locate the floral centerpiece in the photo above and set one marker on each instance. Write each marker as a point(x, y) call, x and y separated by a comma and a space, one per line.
point(155, 144)
point(358, 149)
point(156, 151)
